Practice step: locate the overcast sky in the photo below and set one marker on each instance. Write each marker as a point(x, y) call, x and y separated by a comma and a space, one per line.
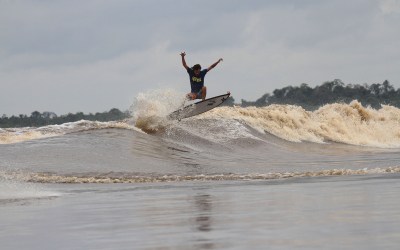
point(93, 55)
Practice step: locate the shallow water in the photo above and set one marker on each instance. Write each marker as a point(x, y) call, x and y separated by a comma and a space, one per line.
point(306, 213)
point(208, 182)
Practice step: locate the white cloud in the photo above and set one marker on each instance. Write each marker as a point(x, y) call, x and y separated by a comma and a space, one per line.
point(390, 6)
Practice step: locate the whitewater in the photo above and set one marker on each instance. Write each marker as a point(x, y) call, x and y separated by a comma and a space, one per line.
point(280, 170)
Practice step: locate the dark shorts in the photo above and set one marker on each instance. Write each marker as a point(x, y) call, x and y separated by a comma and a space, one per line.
point(197, 94)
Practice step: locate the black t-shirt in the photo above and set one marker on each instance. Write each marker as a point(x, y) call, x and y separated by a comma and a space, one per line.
point(196, 82)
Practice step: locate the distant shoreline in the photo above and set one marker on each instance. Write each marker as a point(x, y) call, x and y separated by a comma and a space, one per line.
point(374, 95)
point(37, 119)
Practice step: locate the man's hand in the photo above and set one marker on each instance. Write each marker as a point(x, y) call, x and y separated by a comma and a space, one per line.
point(214, 64)
point(183, 54)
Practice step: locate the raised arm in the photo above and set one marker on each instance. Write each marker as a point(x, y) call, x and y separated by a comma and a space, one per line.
point(183, 54)
point(214, 64)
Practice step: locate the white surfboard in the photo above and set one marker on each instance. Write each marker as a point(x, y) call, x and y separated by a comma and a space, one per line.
point(198, 107)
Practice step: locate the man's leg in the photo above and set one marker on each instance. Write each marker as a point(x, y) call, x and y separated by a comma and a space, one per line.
point(191, 96)
point(203, 93)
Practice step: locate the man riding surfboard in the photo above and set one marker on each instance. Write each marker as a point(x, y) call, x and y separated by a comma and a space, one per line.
point(196, 75)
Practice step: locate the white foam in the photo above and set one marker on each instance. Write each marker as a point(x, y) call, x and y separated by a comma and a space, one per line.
point(345, 123)
point(15, 135)
point(126, 178)
point(150, 109)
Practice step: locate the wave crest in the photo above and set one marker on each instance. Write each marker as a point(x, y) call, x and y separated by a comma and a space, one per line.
point(344, 123)
point(15, 135)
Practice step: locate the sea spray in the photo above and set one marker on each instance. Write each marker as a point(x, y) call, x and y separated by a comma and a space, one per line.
point(150, 109)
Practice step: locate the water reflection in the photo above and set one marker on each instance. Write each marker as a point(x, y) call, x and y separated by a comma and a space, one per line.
point(203, 221)
point(203, 204)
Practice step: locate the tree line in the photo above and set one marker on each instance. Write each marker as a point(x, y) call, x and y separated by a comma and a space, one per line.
point(335, 91)
point(37, 119)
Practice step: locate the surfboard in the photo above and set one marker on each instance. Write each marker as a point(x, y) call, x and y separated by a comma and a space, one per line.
point(198, 107)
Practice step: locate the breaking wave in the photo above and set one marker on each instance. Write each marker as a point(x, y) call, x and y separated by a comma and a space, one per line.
point(344, 123)
point(14, 135)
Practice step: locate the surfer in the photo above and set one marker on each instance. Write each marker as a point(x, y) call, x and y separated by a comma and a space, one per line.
point(196, 75)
